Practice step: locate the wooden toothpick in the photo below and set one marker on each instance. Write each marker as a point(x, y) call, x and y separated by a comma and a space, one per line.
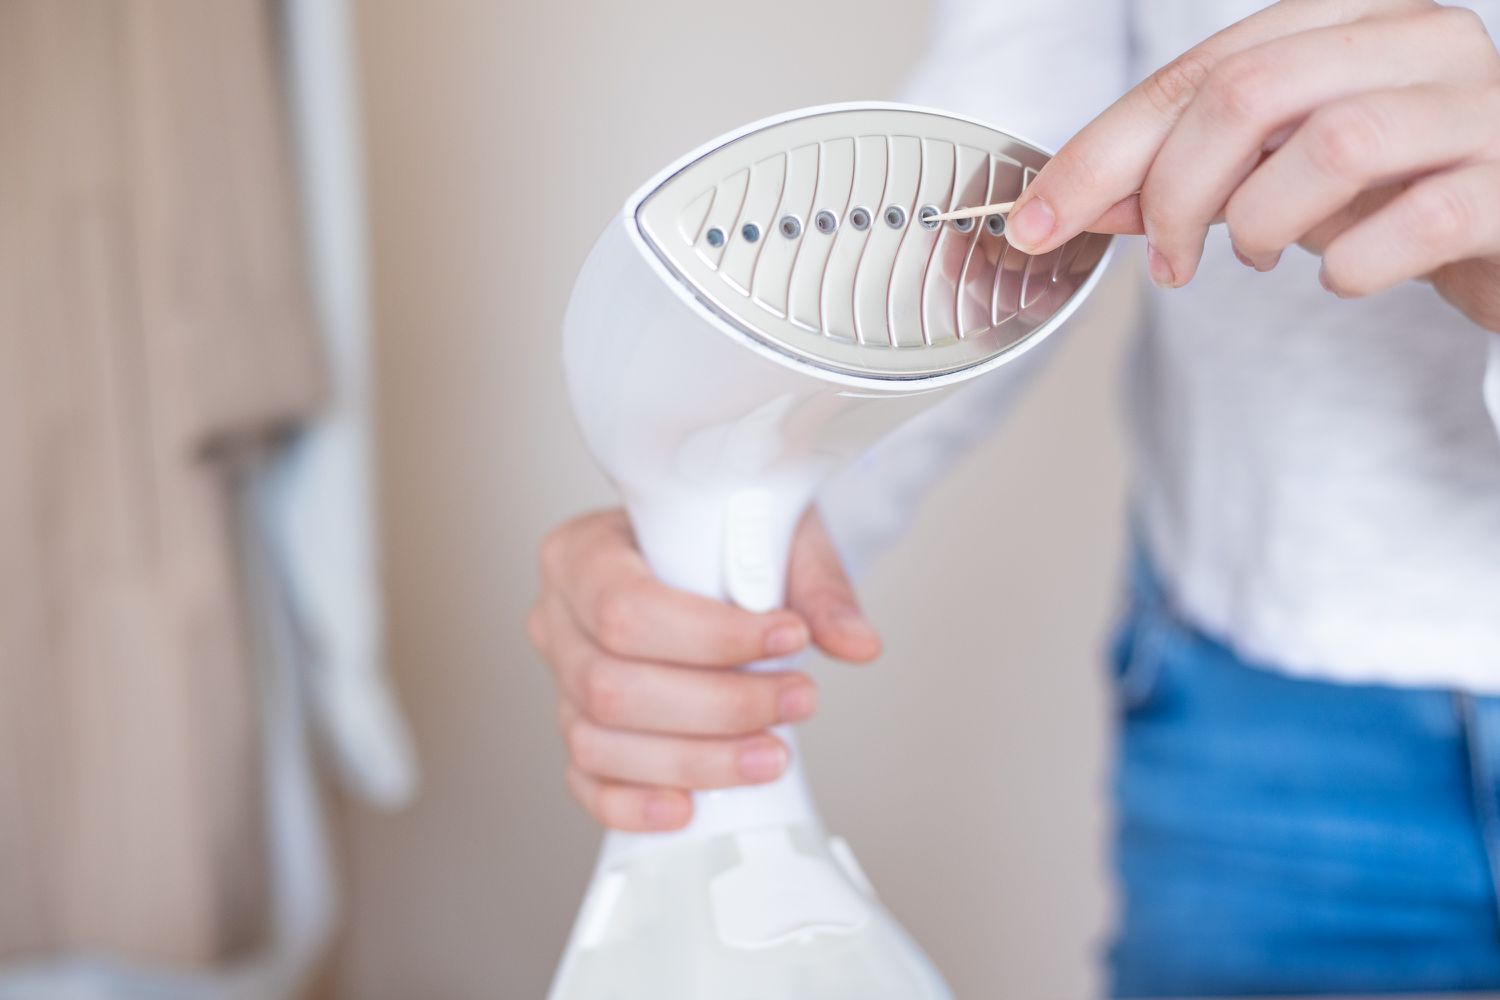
point(973, 213)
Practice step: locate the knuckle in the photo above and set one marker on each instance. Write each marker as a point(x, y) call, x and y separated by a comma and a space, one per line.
point(578, 737)
point(1238, 89)
point(536, 628)
point(605, 693)
point(1351, 11)
point(743, 705)
point(1247, 227)
point(1439, 218)
point(1463, 35)
point(620, 807)
point(1238, 219)
point(730, 650)
point(1084, 172)
point(699, 768)
point(609, 805)
point(732, 641)
point(1158, 209)
point(618, 616)
point(550, 553)
point(1169, 225)
point(1457, 22)
point(1344, 140)
point(1170, 88)
point(580, 788)
point(1359, 9)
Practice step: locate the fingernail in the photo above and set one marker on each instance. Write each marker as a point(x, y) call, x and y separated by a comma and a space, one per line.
point(1030, 226)
point(797, 703)
point(1239, 255)
point(665, 812)
point(762, 761)
point(786, 639)
point(1161, 271)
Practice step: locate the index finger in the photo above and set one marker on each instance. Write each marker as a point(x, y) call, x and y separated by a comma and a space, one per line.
point(640, 618)
point(599, 575)
point(1105, 163)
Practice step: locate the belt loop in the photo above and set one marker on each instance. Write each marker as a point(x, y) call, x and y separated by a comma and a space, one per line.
point(1145, 587)
point(1480, 720)
point(1150, 633)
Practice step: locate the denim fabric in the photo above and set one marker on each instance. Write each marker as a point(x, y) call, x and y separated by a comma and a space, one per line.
point(1283, 836)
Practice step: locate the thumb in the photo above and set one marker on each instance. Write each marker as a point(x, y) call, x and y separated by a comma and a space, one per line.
point(819, 590)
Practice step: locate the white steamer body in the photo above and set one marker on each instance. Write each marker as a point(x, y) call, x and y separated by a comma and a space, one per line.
point(719, 400)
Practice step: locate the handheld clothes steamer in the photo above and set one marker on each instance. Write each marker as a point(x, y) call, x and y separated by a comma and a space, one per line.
point(761, 312)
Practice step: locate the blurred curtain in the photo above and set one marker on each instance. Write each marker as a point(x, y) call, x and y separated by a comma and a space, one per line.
point(155, 333)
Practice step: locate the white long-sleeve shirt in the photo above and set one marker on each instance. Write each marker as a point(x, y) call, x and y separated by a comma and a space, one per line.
point(1317, 480)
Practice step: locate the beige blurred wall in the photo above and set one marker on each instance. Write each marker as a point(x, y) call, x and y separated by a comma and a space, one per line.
point(967, 768)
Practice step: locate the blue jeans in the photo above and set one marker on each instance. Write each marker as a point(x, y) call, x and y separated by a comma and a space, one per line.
point(1289, 836)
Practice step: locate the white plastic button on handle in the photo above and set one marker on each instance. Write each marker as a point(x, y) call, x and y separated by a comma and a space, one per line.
point(751, 566)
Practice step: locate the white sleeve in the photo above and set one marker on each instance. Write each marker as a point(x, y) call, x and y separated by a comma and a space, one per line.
point(1040, 69)
point(867, 506)
point(1489, 11)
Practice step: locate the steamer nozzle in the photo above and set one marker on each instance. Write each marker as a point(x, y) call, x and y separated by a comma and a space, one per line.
point(821, 234)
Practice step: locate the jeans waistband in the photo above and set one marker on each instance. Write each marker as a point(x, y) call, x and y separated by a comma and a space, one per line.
point(1478, 716)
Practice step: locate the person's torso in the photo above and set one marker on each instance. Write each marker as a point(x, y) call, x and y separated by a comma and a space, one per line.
point(1319, 479)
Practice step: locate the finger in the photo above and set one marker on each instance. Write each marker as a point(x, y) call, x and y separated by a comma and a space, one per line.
point(672, 762)
point(819, 590)
point(1123, 218)
point(1364, 204)
point(1448, 217)
point(612, 594)
point(564, 646)
point(1351, 145)
point(683, 701)
point(633, 808)
point(538, 630)
point(641, 618)
point(1249, 96)
point(1108, 160)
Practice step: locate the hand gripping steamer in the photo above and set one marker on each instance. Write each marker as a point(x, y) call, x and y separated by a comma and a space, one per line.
point(761, 312)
